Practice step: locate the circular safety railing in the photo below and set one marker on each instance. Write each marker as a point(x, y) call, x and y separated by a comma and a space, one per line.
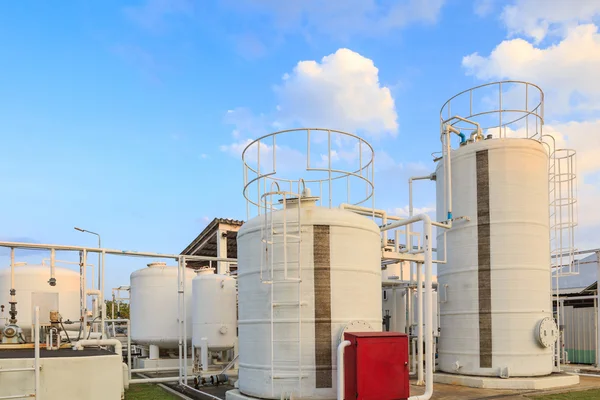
point(337, 167)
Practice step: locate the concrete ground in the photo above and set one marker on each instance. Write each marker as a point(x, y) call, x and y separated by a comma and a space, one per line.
point(451, 392)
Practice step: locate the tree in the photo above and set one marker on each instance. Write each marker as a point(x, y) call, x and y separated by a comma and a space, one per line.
point(121, 310)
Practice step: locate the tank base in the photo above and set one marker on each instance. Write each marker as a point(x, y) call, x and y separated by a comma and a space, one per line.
point(237, 395)
point(552, 381)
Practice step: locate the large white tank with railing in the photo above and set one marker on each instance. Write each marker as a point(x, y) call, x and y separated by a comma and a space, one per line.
point(154, 304)
point(305, 273)
point(495, 299)
point(214, 310)
point(32, 288)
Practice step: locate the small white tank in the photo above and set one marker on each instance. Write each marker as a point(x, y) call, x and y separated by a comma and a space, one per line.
point(32, 288)
point(339, 263)
point(154, 305)
point(214, 310)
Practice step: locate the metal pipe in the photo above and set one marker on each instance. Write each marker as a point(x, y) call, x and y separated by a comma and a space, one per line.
point(155, 380)
point(36, 338)
point(24, 245)
point(102, 304)
point(157, 369)
point(52, 280)
point(100, 342)
point(202, 393)
point(17, 369)
point(340, 369)
point(419, 325)
point(428, 297)
point(598, 309)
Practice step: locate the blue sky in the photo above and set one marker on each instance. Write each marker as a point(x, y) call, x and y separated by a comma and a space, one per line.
point(114, 115)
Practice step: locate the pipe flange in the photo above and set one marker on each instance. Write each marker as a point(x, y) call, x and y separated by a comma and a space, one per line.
point(355, 326)
point(546, 332)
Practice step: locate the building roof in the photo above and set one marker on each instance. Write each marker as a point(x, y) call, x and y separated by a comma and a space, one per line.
point(205, 244)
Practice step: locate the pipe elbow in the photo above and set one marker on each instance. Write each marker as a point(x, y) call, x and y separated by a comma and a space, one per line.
point(425, 218)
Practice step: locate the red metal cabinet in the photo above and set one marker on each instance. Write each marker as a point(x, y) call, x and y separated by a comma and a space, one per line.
point(376, 366)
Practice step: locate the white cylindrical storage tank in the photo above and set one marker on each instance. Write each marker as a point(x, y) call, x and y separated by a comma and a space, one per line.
point(154, 305)
point(495, 287)
point(214, 310)
point(339, 257)
point(32, 289)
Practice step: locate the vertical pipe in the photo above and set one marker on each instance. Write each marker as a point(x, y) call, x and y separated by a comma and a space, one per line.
point(448, 171)
point(340, 369)
point(394, 326)
point(84, 290)
point(36, 336)
point(185, 362)
point(428, 307)
point(128, 345)
point(101, 296)
point(52, 264)
point(598, 310)
point(179, 321)
point(329, 158)
point(420, 324)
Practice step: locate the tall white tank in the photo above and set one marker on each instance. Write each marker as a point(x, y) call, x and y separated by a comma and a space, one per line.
point(154, 305)
point(214, 308)
point(495, 287)
point(340, 256)
point(32, 288)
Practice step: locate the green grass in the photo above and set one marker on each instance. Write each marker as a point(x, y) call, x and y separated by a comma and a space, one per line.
point(586, 395)
point(147, 392)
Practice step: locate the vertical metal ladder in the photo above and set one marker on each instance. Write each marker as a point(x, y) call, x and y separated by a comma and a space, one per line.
point(283, 273)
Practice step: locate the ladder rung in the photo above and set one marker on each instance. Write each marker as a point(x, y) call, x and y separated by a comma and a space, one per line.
point(288, 376)
point(289, 304)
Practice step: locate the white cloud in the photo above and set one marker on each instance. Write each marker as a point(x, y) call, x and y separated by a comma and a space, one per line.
point(567, 71)
point(338, 19)
point(483, 7)
point(403, 211)
point(539, 18)
point(342, 92)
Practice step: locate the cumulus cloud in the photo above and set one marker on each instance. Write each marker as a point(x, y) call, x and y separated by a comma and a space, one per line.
point(538, 19)
point(567, 71)
point(338, 19)
point(342, 91)
point(403, 211)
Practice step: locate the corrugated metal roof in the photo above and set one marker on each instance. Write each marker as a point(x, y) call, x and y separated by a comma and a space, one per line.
point(205, 244)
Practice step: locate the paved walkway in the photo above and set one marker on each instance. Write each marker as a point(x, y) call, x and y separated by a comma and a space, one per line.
point(451, 392)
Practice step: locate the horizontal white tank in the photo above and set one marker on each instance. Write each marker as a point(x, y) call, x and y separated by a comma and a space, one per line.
point(495, 287)
point(214, 309)
point(32, 288)
point(154, 305)
point(340, 269)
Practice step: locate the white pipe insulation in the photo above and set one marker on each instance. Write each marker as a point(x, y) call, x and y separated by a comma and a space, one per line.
point(427, 223)
point(340, 369)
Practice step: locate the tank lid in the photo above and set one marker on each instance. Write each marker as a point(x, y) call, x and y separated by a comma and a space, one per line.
point(205, 271)
point(157, 264)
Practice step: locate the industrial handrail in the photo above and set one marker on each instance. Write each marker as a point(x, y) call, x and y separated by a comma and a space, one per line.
point(536, 111)
point(36, 363)
point(257, 179)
